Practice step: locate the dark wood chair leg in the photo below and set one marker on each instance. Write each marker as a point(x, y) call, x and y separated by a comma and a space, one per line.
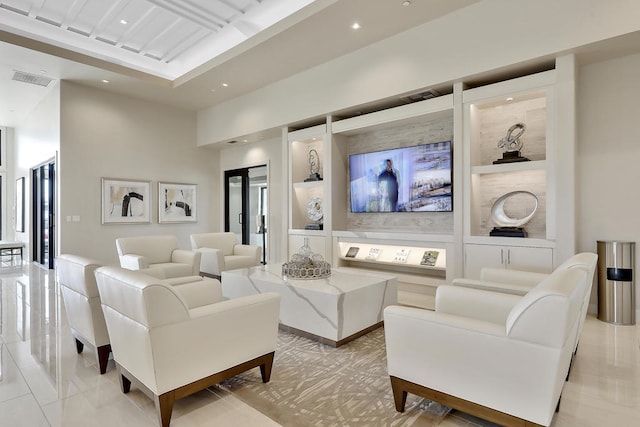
point(399, 395)
point(125, 384)
point(79, 346)
point(558, 405)
point(164, 407)
point(569, 370)
point(103, 357)
point(265, 369)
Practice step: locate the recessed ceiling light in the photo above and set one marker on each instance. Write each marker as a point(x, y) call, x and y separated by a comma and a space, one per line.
point(245, 140)
point(123, 21)
point(406, 3)
point(509, 99)
point(225, 84)
point(105, 81)
point(43, 71)
point(355, 26)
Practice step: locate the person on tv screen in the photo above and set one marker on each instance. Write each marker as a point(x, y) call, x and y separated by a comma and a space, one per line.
point(388, 183)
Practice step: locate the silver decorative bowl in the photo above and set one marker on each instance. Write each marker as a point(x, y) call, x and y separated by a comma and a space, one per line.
point(306, 265)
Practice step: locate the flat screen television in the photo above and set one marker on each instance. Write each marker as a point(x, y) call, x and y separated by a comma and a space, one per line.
point(408, 179)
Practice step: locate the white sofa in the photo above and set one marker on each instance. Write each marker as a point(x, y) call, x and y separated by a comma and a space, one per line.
point(221, 252)
point(159, 256)
point(501, 357)
point(519, 282)
point(171, 350)
point(82, 304)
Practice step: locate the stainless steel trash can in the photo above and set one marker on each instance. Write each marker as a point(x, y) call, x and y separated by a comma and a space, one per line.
point(616, 284)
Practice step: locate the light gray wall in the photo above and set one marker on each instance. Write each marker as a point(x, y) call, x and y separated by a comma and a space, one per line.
point(35, 141)
point(608, 198)
point(109, 135)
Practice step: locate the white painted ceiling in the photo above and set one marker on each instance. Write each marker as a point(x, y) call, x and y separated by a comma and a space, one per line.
point(181, 52)
point(165, 38)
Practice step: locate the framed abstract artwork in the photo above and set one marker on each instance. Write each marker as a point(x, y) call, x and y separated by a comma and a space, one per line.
point(177, 202)
point(126, 201)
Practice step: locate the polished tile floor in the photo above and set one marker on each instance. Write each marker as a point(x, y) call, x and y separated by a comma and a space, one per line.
point(43, 382)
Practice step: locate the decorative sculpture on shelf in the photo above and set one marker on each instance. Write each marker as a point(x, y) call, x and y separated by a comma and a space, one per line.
point(314, 166)
point(507, 226)
point(511, 145)
point(315, 214)
point(306, 264)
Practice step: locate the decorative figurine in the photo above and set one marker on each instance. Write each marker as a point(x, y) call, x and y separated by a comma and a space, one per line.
point(314, 166)
point(507, 226)
point(512, 145)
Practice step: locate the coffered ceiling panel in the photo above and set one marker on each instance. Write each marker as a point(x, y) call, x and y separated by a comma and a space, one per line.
point(166, 38)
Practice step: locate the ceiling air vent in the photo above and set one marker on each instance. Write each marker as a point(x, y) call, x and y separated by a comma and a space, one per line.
point(34, 79)
point(428, 94)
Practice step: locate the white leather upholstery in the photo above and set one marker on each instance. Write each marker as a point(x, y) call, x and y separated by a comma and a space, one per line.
point(165, 344)
point(520, 282)
point(221, 252)
point(507, 353)
point(82, 304)
point(158, 256)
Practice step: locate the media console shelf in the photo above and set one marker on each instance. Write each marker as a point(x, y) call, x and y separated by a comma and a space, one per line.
point(415, 261)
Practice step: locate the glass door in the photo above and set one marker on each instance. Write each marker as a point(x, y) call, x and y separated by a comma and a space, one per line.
point(43, 203)
point(246, 205)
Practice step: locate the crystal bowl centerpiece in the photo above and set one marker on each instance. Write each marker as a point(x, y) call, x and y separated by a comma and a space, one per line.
point(306, 264)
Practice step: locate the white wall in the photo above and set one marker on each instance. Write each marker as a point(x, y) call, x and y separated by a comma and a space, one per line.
point(109, 135)
point(267, 152)
point(35, 140)
point(482, 37)
point(608, 157)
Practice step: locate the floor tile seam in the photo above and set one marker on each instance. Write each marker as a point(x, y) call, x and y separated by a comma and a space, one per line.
point(33, 396)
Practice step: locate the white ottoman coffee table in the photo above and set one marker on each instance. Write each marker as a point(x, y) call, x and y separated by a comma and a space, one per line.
point(334, 310)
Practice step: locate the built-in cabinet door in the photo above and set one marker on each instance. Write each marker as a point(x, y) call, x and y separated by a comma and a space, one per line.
point(499, 256)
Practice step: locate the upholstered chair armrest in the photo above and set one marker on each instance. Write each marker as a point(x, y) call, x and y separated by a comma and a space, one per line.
point(475, 304)
point(184, 256)
point(505, 288)
point(247, 250)
point(461, 357)
point(201, 344)
point(211, 261)
point(181, 280)
point(133, 262)
point(514, 277)
point(202, 292)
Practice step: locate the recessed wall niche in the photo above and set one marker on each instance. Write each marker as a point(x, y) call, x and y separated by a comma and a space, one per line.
point(404, 135)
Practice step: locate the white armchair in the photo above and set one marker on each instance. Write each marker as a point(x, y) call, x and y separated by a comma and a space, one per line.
point(501, 357)
point(158, 256)
point(519, 282)
point(221, 252)
point(171, 350)
point(82, 304)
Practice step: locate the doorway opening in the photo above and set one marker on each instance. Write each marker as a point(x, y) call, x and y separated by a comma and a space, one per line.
point(247, 207)
point(43, 209)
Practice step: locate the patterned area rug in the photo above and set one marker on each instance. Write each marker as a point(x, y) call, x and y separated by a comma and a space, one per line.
point(316, 385)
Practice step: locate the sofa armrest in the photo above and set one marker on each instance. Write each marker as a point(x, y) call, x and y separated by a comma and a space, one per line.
point(248, 250)
point(202, 292)
point(184, 256)
point(461, 357)
point(505, 288)
point(197, 343)
point(514, 277)
point(487, 306)
point(181, 280)
point(133, 262)
point(211, 261)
